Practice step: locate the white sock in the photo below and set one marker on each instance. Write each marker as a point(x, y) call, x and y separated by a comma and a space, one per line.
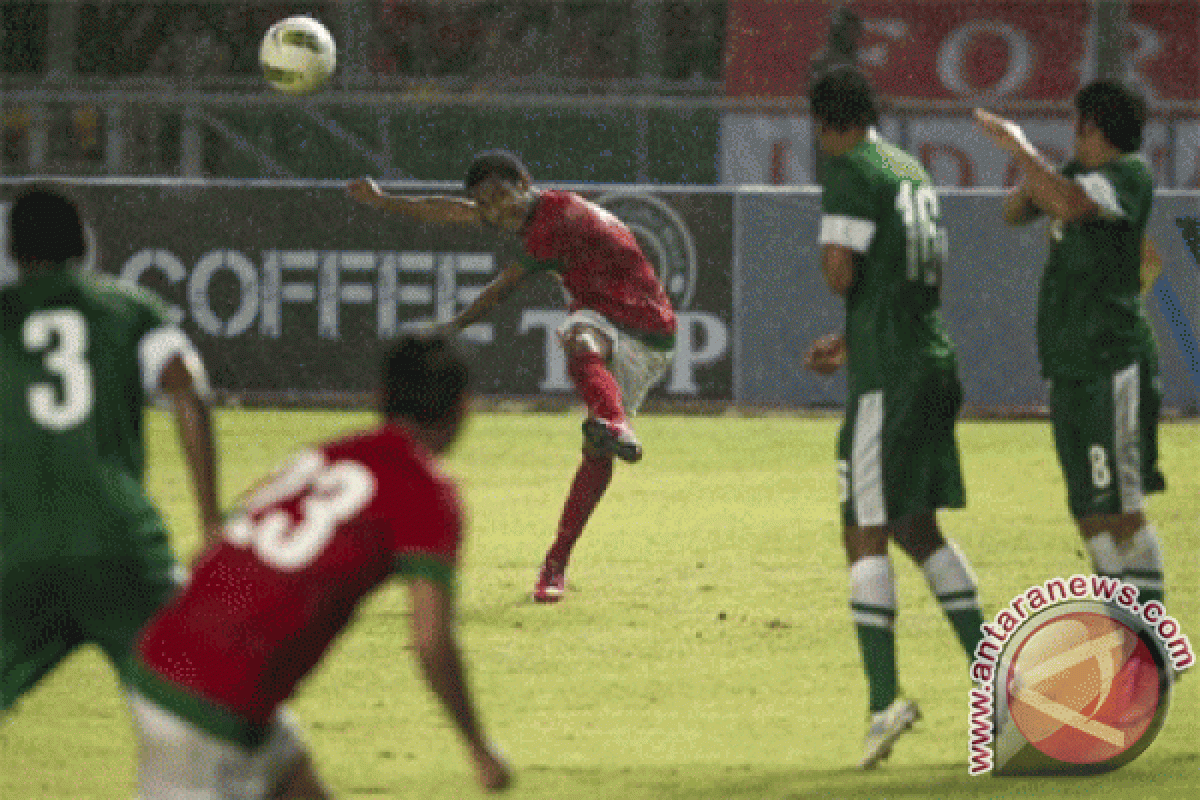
point(950, 578)
point(1106, 558)
point(1143, 563)
point(873, 592)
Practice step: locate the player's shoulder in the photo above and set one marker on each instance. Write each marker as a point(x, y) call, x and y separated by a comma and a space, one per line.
point(1132, 169)
point(395, 460)
point(121, 296)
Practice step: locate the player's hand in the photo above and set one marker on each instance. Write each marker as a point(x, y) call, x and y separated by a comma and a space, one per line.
point(827, 354)
point(492, 771)
point(365, 191)
point(1007, 134)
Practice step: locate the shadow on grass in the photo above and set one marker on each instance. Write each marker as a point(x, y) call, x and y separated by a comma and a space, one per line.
point(1171, 777)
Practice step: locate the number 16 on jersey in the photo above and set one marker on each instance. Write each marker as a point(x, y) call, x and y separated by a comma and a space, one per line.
point(926, 239)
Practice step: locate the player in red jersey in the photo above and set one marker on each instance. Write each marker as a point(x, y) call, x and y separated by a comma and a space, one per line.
point(215, 665)
point(619, 336)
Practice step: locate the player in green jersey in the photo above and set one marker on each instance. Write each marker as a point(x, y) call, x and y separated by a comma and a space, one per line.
point(1096, 346)
point(883, 250)
point(84, 556)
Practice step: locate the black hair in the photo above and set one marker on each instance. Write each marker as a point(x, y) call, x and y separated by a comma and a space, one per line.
point(1118, 111)
point(496, 164)
point(843, 98)
point(45, 225)
point(424, 378)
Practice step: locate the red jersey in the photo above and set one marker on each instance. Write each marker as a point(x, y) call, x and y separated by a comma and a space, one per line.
point(263, 605)
point(599, 262)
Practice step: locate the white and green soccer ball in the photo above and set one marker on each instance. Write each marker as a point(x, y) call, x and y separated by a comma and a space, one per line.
point(298, 55)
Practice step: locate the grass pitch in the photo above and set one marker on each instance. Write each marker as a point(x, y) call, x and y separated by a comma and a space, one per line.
point(704, 650)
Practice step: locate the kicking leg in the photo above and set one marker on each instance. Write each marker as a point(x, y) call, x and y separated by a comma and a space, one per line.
point(589, 351)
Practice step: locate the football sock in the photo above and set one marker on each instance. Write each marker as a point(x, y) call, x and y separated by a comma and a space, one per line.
point(953, 584)
point(591, 479)
point(1106, 558)
point(873, 609)
point(596, 386)
point(1143, 564)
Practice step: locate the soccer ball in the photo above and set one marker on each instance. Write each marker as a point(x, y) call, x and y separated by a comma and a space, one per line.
point(298, 55)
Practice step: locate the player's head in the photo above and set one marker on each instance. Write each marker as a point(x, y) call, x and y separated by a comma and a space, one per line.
point(45, 228)
point(843, 104)
point(1116, 112)
point(425, 383)
point(501, 187)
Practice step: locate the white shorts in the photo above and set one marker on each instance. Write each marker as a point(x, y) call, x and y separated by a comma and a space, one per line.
point(636, 366)
point(178, 761)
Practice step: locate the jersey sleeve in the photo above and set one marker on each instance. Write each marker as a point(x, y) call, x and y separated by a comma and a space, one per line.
point(159, 340)
point(427, 534)
point(847, 210)
point(1118, 189)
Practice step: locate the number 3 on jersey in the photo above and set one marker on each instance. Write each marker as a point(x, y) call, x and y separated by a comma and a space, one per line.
point(925, 239)
point(333, 493)
point(61, 336)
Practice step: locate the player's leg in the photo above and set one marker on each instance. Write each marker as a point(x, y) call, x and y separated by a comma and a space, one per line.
point(285, 761)
point(176, 758)
point(592, 478)
point(948, 574)
point(636, 368)
point(1108, 462)
point(924, 474)
point(872, 582)
point(1142, 549)
point(36, 629)
point(590, 342)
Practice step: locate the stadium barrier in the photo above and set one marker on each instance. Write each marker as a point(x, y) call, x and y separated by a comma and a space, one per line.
point(290, 289)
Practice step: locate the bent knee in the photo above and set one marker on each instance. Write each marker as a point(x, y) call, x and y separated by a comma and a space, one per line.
point(582, 339)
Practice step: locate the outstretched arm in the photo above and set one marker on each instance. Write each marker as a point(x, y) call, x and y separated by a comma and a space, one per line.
point(494, 294)
point(194, 423)
point(426, 208)
point(1046, 189)
point(442, 663)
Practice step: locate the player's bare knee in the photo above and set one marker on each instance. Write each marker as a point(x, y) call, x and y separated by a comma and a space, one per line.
point(918, 536)
point(583, 339)
point(863, 542)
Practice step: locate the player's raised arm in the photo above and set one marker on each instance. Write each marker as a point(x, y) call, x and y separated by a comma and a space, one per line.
point(1019, 208)
point(425, 208)
point(1045, 188)
point(492, 295)
point(442, 663)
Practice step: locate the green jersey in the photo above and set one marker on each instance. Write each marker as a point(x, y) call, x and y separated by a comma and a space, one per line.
point(77, 353)
point(879, 202)
point(1090, 315)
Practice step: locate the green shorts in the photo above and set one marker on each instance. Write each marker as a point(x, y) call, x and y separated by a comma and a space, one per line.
point(47, 609)
point(1106, 435)
point(897, 455)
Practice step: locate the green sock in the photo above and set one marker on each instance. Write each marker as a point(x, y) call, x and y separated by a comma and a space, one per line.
point(878, 647)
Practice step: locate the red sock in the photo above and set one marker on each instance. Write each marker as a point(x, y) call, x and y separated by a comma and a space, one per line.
point(591, 479)
point(596, 386)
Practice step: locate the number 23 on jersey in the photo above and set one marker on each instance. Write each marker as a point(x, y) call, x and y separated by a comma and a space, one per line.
point(329, 494)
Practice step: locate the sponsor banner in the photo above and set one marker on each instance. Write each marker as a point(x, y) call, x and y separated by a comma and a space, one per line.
point(778, 149)
point(297, 288)
point(976, 50)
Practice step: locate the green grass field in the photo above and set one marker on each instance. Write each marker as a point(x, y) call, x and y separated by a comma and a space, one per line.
point(705, 649)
